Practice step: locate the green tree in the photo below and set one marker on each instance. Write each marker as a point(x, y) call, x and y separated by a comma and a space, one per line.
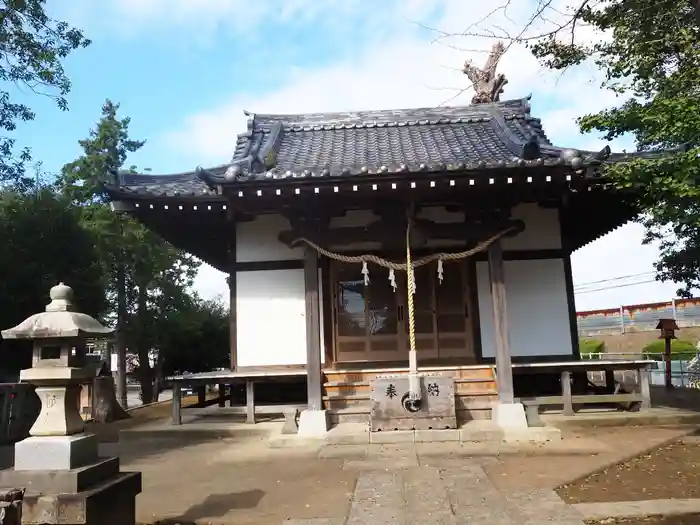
point(196, 337)
point(32, 47)
point(43, 243)
point(192, 335)
point(145, 274)
point(651, 59)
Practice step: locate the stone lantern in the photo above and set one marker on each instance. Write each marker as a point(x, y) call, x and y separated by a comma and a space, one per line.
point(58, 372)
point(59, 464)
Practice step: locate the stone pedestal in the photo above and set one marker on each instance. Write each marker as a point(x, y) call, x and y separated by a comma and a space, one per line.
point(313, 423)
point(55, 452)
point(509, 416)
point(67, 483)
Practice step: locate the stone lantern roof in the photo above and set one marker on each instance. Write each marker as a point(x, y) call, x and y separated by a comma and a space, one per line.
point(58, 321)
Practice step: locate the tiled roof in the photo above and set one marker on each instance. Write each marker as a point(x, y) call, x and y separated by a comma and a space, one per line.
point(475, 137)
point(349, 143)
point(187, 184)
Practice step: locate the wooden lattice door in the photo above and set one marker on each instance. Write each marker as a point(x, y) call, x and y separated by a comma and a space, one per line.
point(371, 320)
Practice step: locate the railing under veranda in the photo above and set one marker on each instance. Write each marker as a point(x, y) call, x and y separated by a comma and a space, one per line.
point(685, 367)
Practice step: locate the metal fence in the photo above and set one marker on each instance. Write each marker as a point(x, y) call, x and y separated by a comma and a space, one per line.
point(638, 317)
point(685, 368)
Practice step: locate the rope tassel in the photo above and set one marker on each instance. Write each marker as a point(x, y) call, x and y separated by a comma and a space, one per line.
point(440, 270)
point(365, 272)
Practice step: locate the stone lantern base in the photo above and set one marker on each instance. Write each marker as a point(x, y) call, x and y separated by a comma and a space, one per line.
point(91, 492)
point(59, 465)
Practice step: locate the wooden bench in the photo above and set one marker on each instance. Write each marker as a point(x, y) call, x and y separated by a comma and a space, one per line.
point(200, 381)
point(567, 400)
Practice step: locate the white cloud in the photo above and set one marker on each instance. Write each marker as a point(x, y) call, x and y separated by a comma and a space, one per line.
point(401, 68)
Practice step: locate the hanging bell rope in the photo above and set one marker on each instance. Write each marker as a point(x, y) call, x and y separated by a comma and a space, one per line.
point(413, 381)
point(391, 265)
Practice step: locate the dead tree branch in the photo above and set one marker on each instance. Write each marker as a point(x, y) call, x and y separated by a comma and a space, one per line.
point(488, 85)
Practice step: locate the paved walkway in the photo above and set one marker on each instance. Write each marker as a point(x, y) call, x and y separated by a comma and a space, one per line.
point(190, 477)
point(457, 496)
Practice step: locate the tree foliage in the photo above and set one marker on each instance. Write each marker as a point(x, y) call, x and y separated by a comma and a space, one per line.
point(154, 277)
point(680, 349)
point(649, 52)
point(32, 48)
point(43, 243)
point(195, 338)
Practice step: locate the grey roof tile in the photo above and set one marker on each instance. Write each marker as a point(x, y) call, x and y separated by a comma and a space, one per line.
point(345, 144)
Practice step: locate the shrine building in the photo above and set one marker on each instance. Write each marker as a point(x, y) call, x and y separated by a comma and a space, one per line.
point(312, 209)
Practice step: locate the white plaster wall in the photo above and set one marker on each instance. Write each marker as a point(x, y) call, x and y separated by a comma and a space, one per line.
point(271, 318)
point(256, 241)
point(270, 304)
point(542, 230)
point(536, 302)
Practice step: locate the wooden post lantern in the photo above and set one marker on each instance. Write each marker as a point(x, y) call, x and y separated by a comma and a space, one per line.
point(668, 329)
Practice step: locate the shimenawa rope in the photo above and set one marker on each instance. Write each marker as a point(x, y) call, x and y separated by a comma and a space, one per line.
point(385, 263)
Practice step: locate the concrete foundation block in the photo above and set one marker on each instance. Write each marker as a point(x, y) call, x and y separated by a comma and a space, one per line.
point(61, 481)
point(313, 423)
point(56, 452)
point(109, 449)
point(392, 436)
point(348, 434)
point(509, 416)
point(112, 502)
point(481, 434)
point(437, 436)
point(532, 435)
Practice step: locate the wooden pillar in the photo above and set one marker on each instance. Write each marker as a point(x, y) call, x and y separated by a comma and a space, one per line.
point(250, 401)
point(313, 330)
point(232, 258)
point(177, 403)
point(504, 371)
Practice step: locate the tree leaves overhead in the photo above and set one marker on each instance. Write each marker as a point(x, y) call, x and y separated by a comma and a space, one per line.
point(43, 243)
point(156, 275)
point(649, 51)
point(32, 48)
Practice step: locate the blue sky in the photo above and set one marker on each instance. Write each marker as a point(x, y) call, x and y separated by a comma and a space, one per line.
point(184, 70)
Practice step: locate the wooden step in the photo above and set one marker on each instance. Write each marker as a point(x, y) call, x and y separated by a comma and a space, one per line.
point(461, 389)
point(346, 393)
point(469, 373)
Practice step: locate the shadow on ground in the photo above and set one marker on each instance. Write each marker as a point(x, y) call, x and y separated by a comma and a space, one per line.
point(157, 438)
point(216, 506)
point(141, 445)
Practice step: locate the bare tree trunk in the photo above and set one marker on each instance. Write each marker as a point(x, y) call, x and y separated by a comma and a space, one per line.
point(145, 373)
point(158, 376)
point(120, 342)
